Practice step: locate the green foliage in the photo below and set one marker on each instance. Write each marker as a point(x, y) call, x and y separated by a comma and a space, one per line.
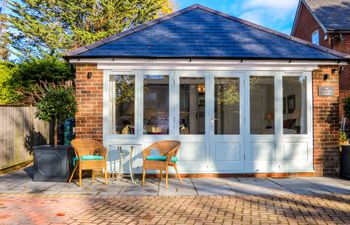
point(55, 27)
point(4, 38)
point(57, 104)
point(8, 94)
point(20, 82)
point(125, 89)
point(342, 136)
point(33, 72)
point(229, 95)
point(346, 107)
point(49, 69)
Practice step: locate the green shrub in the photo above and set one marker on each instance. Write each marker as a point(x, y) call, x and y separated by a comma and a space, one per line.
point(33, 72)
point(8, 94)
point(57, 103)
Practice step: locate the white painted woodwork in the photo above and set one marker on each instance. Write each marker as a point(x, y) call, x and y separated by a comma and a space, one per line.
point(209, 153)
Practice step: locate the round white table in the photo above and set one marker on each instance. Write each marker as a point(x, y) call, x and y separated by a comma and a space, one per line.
point(121, 159)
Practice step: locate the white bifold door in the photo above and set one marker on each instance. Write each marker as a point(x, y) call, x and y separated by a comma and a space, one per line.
point(210, 121)
point(226, 122)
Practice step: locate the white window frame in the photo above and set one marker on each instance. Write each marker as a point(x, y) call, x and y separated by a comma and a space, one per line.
point(107, 105)
point(171, 122)
point(309, 107)
point(315, 37)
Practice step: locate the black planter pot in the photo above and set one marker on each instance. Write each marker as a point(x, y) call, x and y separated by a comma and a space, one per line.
point(52, 163)
point(345, 161)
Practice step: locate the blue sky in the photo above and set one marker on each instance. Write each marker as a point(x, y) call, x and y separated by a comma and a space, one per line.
point(274, 14)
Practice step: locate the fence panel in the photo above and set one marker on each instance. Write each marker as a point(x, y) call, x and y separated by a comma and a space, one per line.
point(19, 132)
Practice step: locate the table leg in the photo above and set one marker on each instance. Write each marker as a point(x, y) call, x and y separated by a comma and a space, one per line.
point(120, 161)
point(130, 164)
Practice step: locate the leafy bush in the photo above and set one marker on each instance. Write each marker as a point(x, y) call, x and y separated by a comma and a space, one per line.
point(31, 72)
point(342, 136)
point(8, 93)
point(56, 104)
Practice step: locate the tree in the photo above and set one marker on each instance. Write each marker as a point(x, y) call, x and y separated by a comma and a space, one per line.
point(4, 38)
point(56, 27)
point(8, 93)
point(56, 104)
point(30, 74)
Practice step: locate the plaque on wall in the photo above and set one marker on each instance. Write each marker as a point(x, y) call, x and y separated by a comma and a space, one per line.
point(325, 91)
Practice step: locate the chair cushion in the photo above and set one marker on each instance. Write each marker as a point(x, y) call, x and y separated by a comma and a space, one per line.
point(161, 158)
point(87, 157)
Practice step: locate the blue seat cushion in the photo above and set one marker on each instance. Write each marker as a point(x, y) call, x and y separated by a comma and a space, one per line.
point(87, 157)
point(161, 158)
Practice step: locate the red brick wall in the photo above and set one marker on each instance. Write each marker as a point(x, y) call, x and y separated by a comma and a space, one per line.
point(89, 95)
point(305, 26)
point(344, 79)
point(326, 123)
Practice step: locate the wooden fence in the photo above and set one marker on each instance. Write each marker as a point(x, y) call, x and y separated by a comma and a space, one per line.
point(19, 131)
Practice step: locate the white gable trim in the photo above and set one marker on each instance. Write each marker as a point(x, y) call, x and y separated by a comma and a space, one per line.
point(202, 64)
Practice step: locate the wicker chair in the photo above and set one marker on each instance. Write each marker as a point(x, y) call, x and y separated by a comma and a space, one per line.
point(168, 151)
point(90, 155)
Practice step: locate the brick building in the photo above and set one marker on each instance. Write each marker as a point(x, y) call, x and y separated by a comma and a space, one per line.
point(241, 98)
point(327, 23)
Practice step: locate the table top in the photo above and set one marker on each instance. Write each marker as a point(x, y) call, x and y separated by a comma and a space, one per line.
point(124, 144)
point(130, 144)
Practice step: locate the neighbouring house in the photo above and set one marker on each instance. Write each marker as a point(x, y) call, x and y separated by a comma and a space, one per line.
point(242, 99)
point(326, 23)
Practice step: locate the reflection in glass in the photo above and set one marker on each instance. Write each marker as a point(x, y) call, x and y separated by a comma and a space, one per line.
point(294, 105)
point(262, 105)
point(123, 104)
point(156, 104)
point(192, 105)
point(226, 105)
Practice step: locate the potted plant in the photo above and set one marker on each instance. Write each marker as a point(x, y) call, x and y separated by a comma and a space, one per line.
point(345, 147)
point(343, 140)
point(55, 105)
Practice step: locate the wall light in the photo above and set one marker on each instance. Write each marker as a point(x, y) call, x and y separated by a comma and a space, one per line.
point(325, 76)
point(89, 75)
point(334, 71)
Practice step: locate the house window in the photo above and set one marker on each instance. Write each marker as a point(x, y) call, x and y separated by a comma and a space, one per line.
point(156, 104)
point(262, 105)
point(122, 104)
point(192, 105)
point(315, 38)
point(227, 101)
point(294, 105)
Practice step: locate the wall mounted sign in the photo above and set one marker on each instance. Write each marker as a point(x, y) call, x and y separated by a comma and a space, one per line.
point(325, 91)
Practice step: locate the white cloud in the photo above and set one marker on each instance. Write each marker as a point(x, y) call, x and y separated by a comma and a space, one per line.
point(275, 14)
point(275, 4)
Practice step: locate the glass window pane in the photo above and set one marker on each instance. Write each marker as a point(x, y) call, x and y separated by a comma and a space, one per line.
point(262, 105)
point(123, 104)
point(156, 104)
point(294, 105)
point(192, 105)
point(315, 38)
point(227, 101)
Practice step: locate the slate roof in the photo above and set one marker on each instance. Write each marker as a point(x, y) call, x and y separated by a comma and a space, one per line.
point(201, 32)
point(333, 15)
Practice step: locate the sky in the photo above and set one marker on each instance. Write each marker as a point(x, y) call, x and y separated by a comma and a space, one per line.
point(274, 14)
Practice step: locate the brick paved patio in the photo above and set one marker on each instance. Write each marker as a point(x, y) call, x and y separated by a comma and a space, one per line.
point(308, 200)
point(21, 182)
point(238, 209)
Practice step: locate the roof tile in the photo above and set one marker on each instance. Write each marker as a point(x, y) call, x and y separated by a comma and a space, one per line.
point(200, 32)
